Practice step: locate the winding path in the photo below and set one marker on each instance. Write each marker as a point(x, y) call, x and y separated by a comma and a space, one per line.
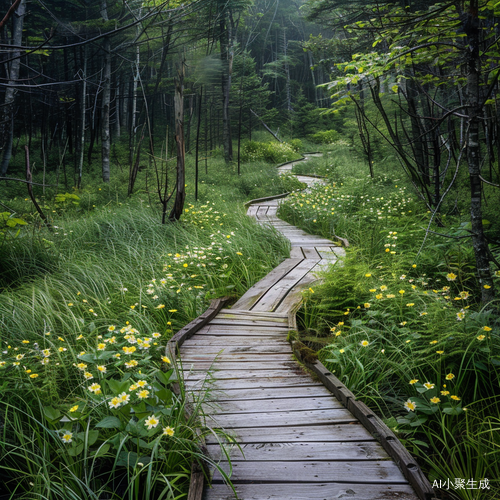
point(298, 441)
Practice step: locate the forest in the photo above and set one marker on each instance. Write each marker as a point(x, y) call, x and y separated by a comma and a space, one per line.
point(132, 133)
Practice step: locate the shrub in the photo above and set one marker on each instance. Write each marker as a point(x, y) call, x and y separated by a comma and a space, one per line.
point(324, 137)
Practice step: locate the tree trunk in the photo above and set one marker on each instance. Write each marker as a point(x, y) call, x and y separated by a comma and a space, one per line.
point(479, 243)
point(106, 101)
point(227, 68)
point(180, 194)
point(198, 127)
point(7, 120)
point(83, 111)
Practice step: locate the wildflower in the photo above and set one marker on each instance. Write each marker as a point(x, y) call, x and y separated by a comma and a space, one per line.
point(364, 343)
point(486, 287)
point(413, 381)
point(367, 305)
point(450, 376)
point(440, 352)
point(141, 383)
point(410, 405)
point(168, 431)
point(481, 337)
point(410, 304)
point(151, 422)
point(88, 375)
point(433, 342)
point(25, 341)
point(423, 313)
point(435, 400)
point(378, 296)
point(129, 350)
point(101, 347)
point(67, 437)
point(487, 328)
point(95, 388)
point(311, 290)
point(368, 275)
point(102, 368)
point(115, 403)
point(401, 292)
point(34, 375)
point(402, 277)
point(342, 351)
point(460, 315)
point(414, 266)
point(403, 323)
point(172, 310)
point(239, 253)
point(124, 397)
point(111, 328)
point(451, 277)
point(131, 363)
point(46, 352)
point(372, 290)
point(428, 385)
point(445, 393)
point(73, 409)
point(165, 359)
point(456, 398)
point(160, 306)
point(143, 394)
point(464, 295)
point(156, 335)
point(80, 337)
point(383, 288)
point(19, 357)
point(390, 295)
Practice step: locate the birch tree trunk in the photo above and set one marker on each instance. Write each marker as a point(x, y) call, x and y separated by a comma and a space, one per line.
point(82, 117)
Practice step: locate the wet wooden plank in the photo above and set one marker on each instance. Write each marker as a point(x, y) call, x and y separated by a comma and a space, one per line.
point(237, 322)
point(382, 472)
point(266, 331)
point(316, 491)
point(283, 419)
point(236, 357)
point(320, 452)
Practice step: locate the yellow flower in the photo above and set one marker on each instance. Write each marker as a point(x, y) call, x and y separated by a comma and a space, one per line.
point(143, 394)
point(34, 375)
point(401, 292)
point(433, 342)
point(414, 266)
point(111, 328)
point(451, 277)
point(102, 368)
point(410, 405)
point(439, 352)
point(390, 295)
point(115, 402)
point(239, 253)
point(383, 288)
point(413, 381)
point(435, 400)
point(378, 296)
point(88, 375)
point(101, 347)
point(172, 310)
point(95, 388)
point(342, 351)
point(450, 376)
point(428, 385)
point(410, 304)
point(445, 393)
point(161, 306)
point(168, 431)
point(129, 350)
point(487, 287)
point(67, 437)
point(151, 422)
point(73, 409)
point(456, 398)
point(25, 341)
point(165, 359)
point(364, 343)
point(487, 328)
point(367, 305)
point(367, 275)
point(372, 290)
point(481, 337)
point(131, 363)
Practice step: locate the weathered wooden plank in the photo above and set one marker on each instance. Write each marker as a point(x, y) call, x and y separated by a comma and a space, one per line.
point(247, 340)
point(236, 322)
point(311, 253)
point(242, 374)
point(252, 210)
point(236, 357)
point(295, 295)
point(283, 419)
point(239, 365)
point(307, 433)
point(296, 253)
point(215, 349)
point(385, 472)
point(252, 314)
point(252, 295)
point(320, 452)
point(224, 385)
point(316, 491)
point(283, 404)
point(269, 331)
point(263, 393)
point(271, 299)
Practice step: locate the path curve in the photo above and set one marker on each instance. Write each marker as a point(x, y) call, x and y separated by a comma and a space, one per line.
point(298, 440)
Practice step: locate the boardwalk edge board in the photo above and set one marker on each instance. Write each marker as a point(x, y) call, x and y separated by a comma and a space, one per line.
point(197, 481)
point(375, 426)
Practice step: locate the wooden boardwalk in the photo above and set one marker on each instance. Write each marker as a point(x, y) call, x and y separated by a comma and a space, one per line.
point(297, 440)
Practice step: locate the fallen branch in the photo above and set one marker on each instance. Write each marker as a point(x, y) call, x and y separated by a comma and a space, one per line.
point(30, 189)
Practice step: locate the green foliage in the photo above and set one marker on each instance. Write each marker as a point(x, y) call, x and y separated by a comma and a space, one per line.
point(324, 137)
point(272, 152)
